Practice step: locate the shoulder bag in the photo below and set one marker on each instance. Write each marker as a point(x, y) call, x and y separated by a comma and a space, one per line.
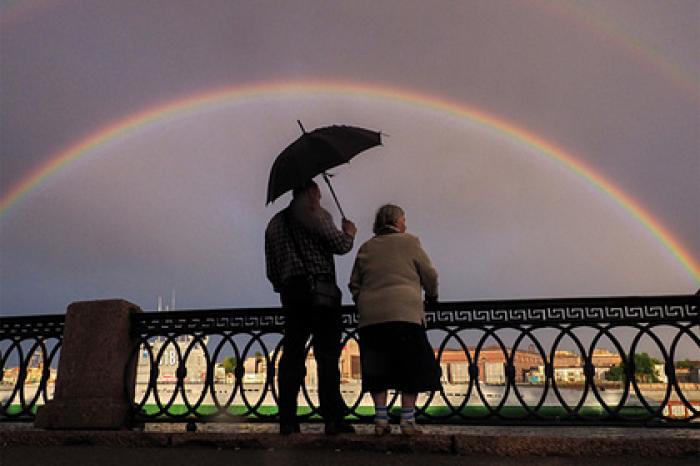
point(325, 294)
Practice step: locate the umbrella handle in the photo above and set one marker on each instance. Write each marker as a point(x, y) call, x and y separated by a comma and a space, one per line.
point(328, 182)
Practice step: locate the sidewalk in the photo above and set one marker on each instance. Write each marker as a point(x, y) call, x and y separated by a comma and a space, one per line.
point(682, 444)
point(191, 456)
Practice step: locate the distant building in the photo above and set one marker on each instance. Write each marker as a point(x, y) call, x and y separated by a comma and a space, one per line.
point(569, 375)
point(691, 374)
point(220, 374)
point(255, 367)
point(661, 373)
point(491, 363)
point(564, 358)
point(602, 357)
point(10, 375)
point(35, 371)
point(350, 370)
point(169, 363)
point(687, 374)
point(494, 373)
point(528, 364)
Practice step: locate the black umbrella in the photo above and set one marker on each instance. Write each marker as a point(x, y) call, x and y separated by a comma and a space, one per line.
point(315, 152)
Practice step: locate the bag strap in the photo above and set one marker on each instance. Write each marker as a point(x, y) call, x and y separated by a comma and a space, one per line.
point(296, 244)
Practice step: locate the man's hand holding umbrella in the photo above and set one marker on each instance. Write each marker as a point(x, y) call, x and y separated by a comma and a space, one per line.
point(348, 227)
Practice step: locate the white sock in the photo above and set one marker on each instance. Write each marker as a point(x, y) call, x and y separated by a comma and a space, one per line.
point(381, 414)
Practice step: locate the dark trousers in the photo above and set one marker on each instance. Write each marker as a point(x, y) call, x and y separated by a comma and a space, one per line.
point(325, 327)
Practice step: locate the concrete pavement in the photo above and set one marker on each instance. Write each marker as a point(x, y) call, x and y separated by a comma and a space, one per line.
point(250, 443)
point(189, 456)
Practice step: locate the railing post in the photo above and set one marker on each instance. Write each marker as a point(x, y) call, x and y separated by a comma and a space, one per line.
point(97, 345)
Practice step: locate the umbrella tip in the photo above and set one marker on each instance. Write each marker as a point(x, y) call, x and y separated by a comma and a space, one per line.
point(301, 126)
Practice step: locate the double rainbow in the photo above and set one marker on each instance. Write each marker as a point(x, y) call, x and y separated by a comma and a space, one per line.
point(266, 89)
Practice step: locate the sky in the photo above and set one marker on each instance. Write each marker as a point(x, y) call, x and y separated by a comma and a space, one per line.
point(539, 148)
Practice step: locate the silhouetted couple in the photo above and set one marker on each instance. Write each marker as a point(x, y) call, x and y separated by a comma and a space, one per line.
point(388, 277)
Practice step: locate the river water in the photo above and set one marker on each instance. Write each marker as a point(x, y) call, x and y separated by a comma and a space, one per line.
point(455, 394)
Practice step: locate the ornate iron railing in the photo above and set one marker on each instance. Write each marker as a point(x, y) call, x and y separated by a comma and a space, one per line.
point(29, 349)
point(610, 361)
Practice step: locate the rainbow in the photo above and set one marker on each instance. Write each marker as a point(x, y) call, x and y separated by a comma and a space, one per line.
point(642, 51)
point(237, 93)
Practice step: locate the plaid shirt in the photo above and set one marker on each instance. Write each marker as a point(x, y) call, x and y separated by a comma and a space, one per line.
point(317, 247)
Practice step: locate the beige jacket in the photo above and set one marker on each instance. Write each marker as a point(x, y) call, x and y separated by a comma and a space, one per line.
point(387, 278)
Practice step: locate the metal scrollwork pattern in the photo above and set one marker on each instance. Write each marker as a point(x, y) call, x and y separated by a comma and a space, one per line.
point(551, 362)
point(470, 332)
point(29, 352)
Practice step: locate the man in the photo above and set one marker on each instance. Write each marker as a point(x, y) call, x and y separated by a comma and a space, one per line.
point(306, 229)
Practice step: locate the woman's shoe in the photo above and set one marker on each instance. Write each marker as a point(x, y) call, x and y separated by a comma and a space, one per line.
point(381, 428)
point(409, 428)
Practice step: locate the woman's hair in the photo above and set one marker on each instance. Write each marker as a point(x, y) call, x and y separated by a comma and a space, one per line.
point(386, 217)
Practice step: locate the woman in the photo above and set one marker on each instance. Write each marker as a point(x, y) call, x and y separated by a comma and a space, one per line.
point(389, 272)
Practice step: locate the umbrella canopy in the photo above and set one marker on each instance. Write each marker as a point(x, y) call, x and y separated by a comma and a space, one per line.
point(315, 152)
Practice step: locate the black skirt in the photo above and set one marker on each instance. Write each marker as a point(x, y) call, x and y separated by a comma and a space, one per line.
point(397, 355)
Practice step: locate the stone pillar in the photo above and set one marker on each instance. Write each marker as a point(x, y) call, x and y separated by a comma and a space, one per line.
point(91, 390)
